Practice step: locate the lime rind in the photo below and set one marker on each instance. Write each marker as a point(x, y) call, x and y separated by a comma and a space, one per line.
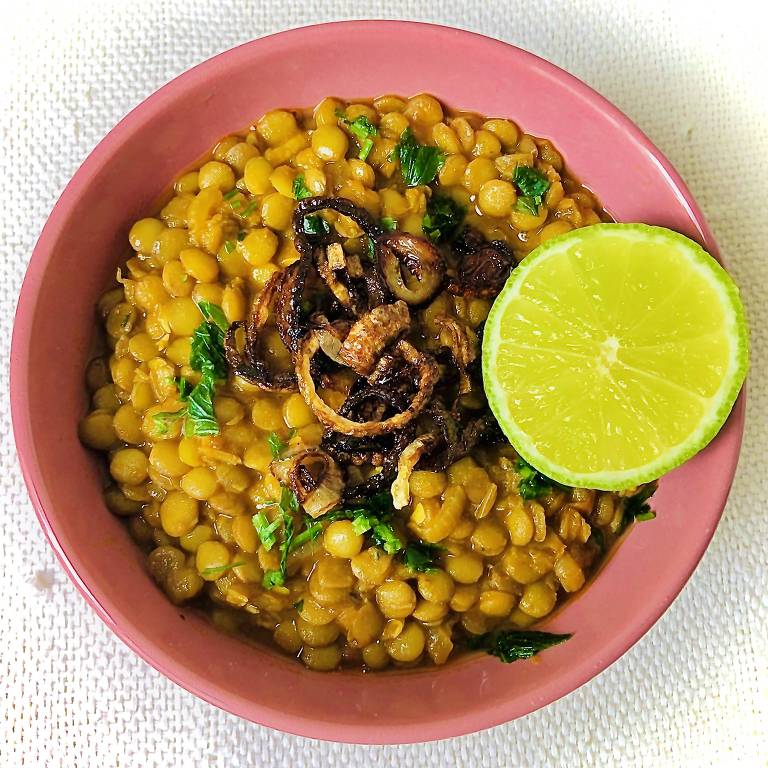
point(722, 402)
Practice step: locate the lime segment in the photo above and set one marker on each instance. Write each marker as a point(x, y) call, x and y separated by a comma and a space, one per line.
point(614, 353)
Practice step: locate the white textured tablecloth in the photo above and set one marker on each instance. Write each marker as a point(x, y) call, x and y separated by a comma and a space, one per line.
point(694, 691)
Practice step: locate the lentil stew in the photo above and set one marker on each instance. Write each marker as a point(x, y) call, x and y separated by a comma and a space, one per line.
point(291, 403)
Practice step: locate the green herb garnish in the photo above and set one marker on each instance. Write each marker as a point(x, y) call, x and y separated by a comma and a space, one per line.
point(288, 500)
point(513, 645)
point(208, 358)
point(532, 483)
point(527, 205)
point(300, 190)
point(372, 517)
point(230, 246)
point(289, 505)
point(207, 350)
point(420, 557)
point(384, 535)
point(637, 508)
point(316, 225)
point(266, 529)
point(201, 419)
point(231, 193)
point(184, 386)
point(213, 314)
point(418, 164)
point(220, 568)
point(370, 249)
point(388, 224)
point(299, 605)
point(249, 209)
point(241, 235)
point(443, 218)
point(276, 445)
point(273, 579)
point(533, 185)
point(362, 129)
point(311, 531)
point(162, 421)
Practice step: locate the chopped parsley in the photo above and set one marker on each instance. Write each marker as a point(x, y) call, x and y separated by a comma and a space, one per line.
point(201, 419)
point(384, 535)
point(316, 225)
point(312, 529)
point(373, 518)
point(418, 164)
point(637, 508)
point(230, 246)
point(207, 348)
point(232, 192)
point(370, 249)
point(388, 224)
point(163, 421)
point(291, 541)
point(289, 505)
point(443, 218)
point(266, 529)
point(220, 568)
point(300, 190)
point(362, 522)
point(527, 205)
point(276, 445)
point(208, 358)
point(273, 579)
point(532, 185)
point(513, 645)
point(299, 605)
point(362, 129)
point(213, 314)
point(241, 235)
point(249, 209)
point(420, 557)
point(532, 483)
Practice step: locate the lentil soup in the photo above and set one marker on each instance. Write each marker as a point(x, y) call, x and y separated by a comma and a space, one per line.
point(291, 404)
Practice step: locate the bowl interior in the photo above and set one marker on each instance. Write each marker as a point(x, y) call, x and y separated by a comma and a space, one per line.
point(77, 255)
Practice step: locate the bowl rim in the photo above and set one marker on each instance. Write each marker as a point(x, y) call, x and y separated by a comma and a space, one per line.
point(213, 693)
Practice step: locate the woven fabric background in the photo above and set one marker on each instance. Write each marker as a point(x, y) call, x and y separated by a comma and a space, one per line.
point(694, 691)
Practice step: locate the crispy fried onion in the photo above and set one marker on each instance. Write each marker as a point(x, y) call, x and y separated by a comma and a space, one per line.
point(247, 362)
point(371, 334)
point(378, 481)
point(426, 371)
point(408, 460)
point(313, 476)
point(313, 205)
point(457, 440)
point(370, 402)
point(328, 258)
point(483, 266)
point(412, 267)
point(288, 314)
point(329, 262)
point(463, 345)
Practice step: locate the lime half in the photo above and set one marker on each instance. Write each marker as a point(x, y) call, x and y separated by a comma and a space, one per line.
point(614, 353)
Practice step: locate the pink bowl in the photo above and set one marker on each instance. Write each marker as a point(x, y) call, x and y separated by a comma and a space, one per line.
point(76, 256)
